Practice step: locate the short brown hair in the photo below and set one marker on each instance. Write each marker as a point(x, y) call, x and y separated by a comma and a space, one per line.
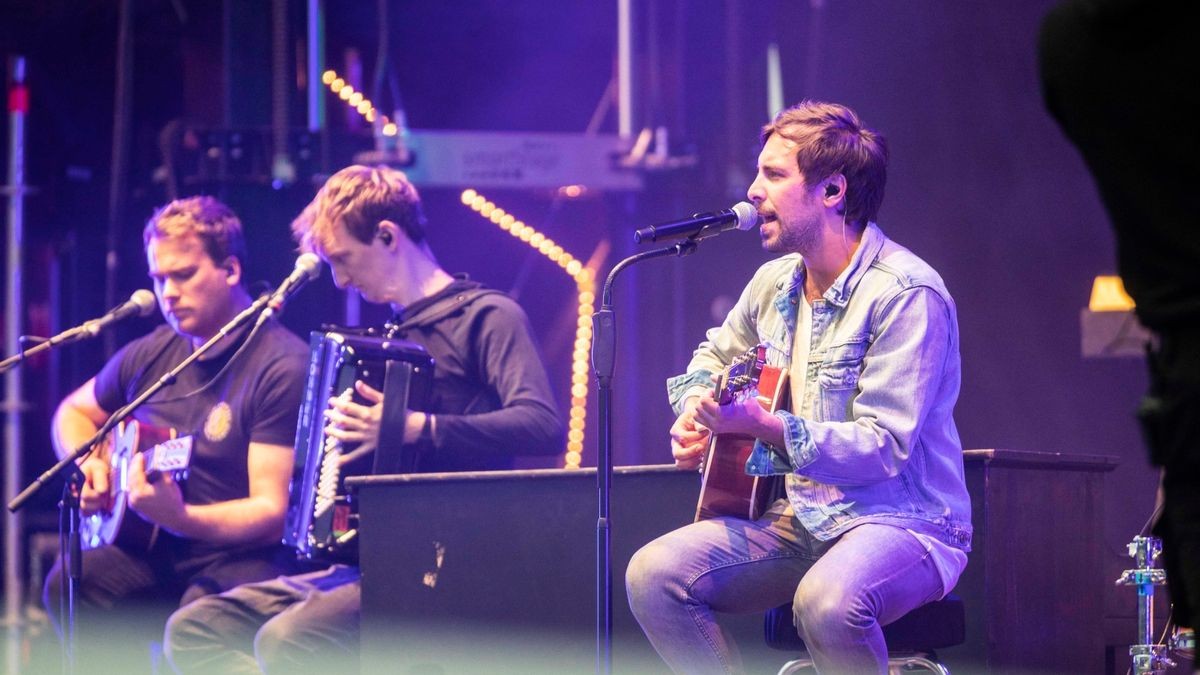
point(212, 222)
point(360, 197)
point(832, 139)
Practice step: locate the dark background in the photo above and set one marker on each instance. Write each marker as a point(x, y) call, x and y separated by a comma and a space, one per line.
point(982, 185)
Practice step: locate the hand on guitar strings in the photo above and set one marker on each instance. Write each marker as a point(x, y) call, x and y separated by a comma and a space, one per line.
point(689, 440)
point(96, 495)
point(351, 422)
point(745, 414)
point(159, 500)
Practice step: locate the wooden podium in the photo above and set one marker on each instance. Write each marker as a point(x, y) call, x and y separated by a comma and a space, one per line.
point(495, 570)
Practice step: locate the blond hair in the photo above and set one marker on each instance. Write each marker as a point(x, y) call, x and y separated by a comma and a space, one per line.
point(212, 222)
point(360, 197)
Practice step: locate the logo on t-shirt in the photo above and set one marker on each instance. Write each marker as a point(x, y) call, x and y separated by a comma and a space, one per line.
point(219, 422)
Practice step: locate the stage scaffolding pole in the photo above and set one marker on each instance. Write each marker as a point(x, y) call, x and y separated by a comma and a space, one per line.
point(625, 68)
point(14, 523)
point(315, 64)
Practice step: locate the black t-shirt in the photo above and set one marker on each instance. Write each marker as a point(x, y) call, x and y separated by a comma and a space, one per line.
point(490, 395)
point(255, 399)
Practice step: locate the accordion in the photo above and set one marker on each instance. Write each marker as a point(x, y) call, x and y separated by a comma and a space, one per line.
point(321, 519)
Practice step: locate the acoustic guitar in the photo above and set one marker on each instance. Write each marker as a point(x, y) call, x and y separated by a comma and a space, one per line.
point(164, 453)
point(726, 489)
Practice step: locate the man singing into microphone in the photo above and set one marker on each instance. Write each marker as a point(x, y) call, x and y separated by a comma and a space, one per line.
point(490, 401)
point(876, 518)
point(236, 407)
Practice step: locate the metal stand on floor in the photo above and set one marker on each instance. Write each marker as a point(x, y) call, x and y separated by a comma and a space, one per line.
point(1148, 656)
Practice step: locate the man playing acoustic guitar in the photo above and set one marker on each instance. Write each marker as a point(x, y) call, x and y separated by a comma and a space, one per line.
point(235, 409)
point(876, 518)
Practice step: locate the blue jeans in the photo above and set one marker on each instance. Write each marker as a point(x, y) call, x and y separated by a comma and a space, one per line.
point(841, 590)
point(307, 623)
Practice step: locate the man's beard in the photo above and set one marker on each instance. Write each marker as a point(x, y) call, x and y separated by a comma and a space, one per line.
point(797, 238)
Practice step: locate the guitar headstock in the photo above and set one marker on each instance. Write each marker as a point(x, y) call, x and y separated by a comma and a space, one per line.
point(741, 374)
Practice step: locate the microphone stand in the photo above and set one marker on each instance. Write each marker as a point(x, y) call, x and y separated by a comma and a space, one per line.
point(43, 344)
point(604, 348)
point(68, 467)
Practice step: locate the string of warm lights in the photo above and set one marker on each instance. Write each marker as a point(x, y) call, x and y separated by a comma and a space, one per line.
point(356, 100)
point(585, 286)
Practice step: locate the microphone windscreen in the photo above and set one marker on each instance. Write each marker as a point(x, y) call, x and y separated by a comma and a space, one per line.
point(144, 300)
point(747, 215)
point(309, 265)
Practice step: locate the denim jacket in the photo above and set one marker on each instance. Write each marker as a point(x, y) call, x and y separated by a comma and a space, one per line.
point(874, 439)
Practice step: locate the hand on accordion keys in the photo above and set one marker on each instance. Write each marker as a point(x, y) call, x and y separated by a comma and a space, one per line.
point(351, 422)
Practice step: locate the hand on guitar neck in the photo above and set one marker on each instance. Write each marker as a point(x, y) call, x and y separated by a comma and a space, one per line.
point(160, 500)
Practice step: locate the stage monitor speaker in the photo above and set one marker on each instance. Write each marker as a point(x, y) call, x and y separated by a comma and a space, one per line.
point(495, 571)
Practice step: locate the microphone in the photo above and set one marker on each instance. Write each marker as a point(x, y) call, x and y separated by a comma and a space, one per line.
point(141, 303)
point(742, 216)
point(308, 267)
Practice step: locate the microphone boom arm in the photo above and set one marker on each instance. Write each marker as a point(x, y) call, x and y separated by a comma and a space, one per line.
point(140, 303)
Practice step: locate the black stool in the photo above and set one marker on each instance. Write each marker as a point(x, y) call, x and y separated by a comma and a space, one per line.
point(911, 639)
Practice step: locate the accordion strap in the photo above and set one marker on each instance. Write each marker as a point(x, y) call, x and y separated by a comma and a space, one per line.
point(440, 309)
